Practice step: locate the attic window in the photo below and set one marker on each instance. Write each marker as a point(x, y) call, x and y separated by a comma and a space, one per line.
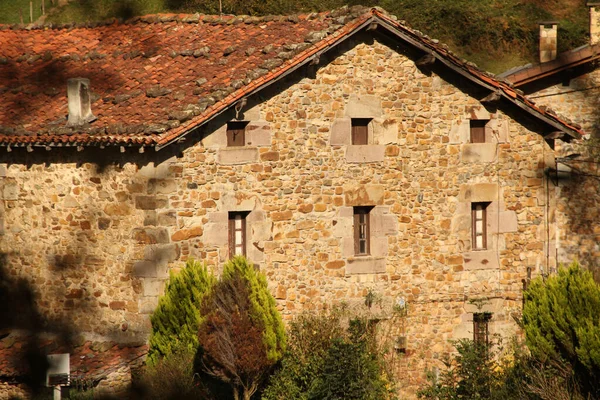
point(78, 94)
point(236, 133)
point(478, 130)
point(360, 131)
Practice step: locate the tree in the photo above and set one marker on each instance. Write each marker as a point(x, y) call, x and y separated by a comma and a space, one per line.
point(177, 317)
point(241, 336)
point(562, 323)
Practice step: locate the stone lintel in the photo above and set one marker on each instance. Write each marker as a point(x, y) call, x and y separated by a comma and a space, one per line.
point(365, 265)
point(365, 153)
point(237, 155)
point(363, 195)
point(478, 192)
point(364, 106)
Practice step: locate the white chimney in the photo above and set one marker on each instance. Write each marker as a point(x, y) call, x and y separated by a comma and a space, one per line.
point(594, 22)
point(548, 41)
point(78, 93)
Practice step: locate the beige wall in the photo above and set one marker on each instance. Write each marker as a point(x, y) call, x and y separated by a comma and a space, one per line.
point(97, 243)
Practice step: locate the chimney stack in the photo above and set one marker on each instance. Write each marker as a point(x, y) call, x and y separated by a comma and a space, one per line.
point(548, 41)
point(78, 94)
point(594, 22)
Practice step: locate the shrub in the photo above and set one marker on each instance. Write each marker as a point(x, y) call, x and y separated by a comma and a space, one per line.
point(327, 361)
point(562, 325)
point(176, 318)
point(242, 336)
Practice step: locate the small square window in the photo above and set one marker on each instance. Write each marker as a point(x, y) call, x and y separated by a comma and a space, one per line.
point(360, 131)
point(236, 133)
point(362, 231)
point(478, 130)
point(479, 225)
point(237, 234)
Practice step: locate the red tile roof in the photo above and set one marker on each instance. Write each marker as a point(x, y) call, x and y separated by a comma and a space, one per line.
point(155, 78)
point(88, 360)
point(569, 59)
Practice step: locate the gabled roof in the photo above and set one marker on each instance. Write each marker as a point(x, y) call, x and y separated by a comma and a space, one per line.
point(156, 78)
point(523, 75)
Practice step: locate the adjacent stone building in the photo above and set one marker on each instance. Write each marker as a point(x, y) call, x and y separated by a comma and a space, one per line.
point(343, 153)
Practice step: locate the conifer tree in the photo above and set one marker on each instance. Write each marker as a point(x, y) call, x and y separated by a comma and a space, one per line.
point(242, 335)
point(177, 317)
point(562, 323)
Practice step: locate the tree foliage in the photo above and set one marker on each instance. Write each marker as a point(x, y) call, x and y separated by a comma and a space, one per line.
point(241, 336)
point(562, 323)
point(325, 360)
point(176, 318)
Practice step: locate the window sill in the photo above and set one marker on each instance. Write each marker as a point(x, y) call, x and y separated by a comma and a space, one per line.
point(365, 264)
point(237, 155)
point(365, 153)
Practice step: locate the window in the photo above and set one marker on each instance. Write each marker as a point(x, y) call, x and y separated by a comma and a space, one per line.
point(479, 226)
point(362, 228)
point(478, 130)
point(360, 130)
point(237, 234)
point(236, 133)
point(481, 334)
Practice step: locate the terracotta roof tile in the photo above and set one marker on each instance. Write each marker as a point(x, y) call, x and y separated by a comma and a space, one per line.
point(156, 77)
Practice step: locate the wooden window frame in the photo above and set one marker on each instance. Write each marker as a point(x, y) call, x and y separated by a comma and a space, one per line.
point(475, 232)
point(360, 131)
point(236, 133)
point(233, 244)
point(362, 230)
point(477, 130)
point(481, 328)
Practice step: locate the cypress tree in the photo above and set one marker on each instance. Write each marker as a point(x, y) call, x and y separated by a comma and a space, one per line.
point(177, 317)
point(562, 323)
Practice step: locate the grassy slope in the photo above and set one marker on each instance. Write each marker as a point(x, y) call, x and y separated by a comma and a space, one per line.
point(9, 10)
point(495, 34)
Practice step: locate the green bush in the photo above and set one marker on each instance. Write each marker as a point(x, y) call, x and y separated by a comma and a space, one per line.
point(177, 317)
point(327, 361)
point(562, 324)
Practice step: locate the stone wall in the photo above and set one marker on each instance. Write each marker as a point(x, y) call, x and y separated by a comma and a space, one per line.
point(96, 242)
point(575, 95)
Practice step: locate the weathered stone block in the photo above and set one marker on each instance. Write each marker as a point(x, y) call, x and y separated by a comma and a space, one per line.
point(476, 260)
point(161, 186)
point(161, 254)
point(281, 216)
point(150, 235)
point(144, 269)
point(168, 218)
point(153, 287)
point(479, 192)
point(365, 265)
point(363, 195)
point(258, 134)
point(478, 152)
point(150, 202)
point(237, 155)
point(187, 233)
point(341, 132)
point(10, 191)
point(364, 106)
point(365, 154)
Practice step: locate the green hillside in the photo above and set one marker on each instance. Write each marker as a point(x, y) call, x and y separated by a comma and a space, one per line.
point(495, 34)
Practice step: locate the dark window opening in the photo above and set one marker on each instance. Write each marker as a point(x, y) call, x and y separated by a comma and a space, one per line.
point(360, 131)
point(236, 133)
point(237, 234)
point(481, 332)
point(479, 225)
point(478, 130)
point(362, 231)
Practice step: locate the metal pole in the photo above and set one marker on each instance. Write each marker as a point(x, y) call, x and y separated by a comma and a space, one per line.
point(57, 392)
point(31, 11)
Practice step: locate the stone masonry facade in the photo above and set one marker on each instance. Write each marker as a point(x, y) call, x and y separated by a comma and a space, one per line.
point(96, 240)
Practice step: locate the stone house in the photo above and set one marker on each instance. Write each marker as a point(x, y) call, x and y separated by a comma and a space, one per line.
point(569, 83)
point(343, 153)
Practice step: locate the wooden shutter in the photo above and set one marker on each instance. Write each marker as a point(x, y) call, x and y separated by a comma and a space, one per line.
point(478, 130)
point(362, 230)
point(236, 133)
point(360, 131)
